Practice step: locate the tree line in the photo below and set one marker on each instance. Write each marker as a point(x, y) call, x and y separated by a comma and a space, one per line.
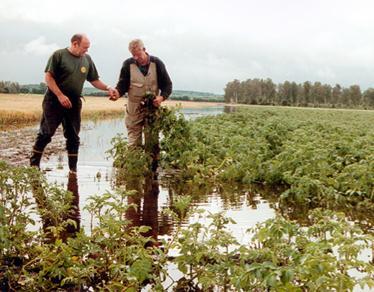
point(308, 94)
point(9, 87)
point(15, 87)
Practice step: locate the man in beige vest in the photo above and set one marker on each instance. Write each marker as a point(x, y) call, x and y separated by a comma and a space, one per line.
point(141, 75)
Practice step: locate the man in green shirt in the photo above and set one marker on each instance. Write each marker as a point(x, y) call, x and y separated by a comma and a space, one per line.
point(65, 74)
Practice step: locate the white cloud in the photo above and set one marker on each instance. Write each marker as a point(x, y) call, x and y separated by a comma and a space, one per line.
point(40, 47)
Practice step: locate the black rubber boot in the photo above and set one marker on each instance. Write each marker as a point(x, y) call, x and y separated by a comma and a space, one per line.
point(35, 158)
point(73, 161)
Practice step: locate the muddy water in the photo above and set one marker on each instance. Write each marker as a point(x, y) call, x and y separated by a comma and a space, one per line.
point(95, 176)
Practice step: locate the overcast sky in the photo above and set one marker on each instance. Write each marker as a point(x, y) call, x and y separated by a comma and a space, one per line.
point(204, 44)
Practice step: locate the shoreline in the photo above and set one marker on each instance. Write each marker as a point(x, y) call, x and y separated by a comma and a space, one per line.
point(22, 110)
point(18, 133)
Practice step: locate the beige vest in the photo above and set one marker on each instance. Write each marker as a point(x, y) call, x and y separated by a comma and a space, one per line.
point(140, 84)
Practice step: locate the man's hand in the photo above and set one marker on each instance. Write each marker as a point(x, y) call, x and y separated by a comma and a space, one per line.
point(113, 94)
point(65, 101)
point(157, 101)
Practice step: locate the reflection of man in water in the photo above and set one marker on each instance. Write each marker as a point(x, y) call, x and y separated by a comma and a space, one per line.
point(46, 208)
point(74, 212)
point(147, 214)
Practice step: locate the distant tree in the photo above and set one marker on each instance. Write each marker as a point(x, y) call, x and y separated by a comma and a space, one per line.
point(232, 91)
point(244, 91)
point(307, 92)
point(42, 87)
point(369, 97)
point(14, 87)
point(327, 94)
point(346, 97)
point(253, 90)
point(268, 91)
point(285, 93)
point(294, 93)
point(24, 90)
point(317, 94)
point(9, 87)
point(271, 90)
point(336, 95)
point(355, 95)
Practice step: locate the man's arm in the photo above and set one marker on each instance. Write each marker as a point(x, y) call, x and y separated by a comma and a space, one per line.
point(102, 86)
point(52, 85)
point(164, 83)
point(123, 83)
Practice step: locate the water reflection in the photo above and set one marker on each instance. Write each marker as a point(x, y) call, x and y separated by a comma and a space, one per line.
point(144, 206)
point(73, 212)
point(57, 209)
point(244, 202)
point(43, 204)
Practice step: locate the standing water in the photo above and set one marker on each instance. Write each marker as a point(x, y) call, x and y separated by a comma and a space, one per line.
point(245, 204)
point(95, 176)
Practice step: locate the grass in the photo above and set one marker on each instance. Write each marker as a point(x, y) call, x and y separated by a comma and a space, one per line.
point(19, 110)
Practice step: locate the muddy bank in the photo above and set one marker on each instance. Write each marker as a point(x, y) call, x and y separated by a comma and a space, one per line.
point(16, 146)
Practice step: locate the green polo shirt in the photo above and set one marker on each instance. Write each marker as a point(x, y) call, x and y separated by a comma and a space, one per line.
point(71, 71)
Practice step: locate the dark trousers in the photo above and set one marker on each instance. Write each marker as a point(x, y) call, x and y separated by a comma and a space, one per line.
point(55, 114)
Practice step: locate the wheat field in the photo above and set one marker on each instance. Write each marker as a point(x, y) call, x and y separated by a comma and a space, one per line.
point(17, 110)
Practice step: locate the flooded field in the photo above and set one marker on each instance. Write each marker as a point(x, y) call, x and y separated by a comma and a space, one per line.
point(95, 176)
point(246, 201)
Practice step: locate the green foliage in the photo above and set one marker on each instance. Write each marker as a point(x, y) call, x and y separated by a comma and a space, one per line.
point(321, 158)
point(128, 161)
point(176, 142)
point(281, 256)
point(112, 256)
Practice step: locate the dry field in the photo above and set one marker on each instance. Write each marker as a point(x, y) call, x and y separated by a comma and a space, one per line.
point(17, 110)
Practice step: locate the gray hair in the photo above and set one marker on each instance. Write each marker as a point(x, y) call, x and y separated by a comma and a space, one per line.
point(135, 44)
point(77, 38)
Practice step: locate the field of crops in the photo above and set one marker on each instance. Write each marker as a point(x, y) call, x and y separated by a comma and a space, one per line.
point(320, 158)
point(320, 162)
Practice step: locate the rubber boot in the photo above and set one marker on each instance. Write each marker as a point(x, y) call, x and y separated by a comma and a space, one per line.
point(72, 161)
point(35, 158)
